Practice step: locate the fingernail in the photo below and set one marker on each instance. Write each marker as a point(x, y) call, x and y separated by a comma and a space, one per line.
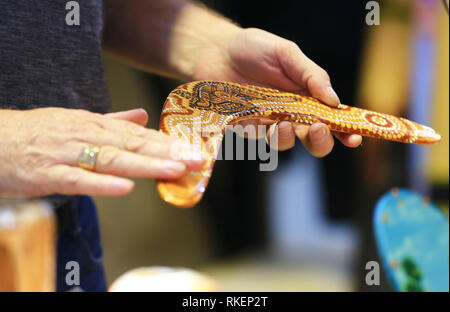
point(140, 110)
point(133, 110)
point(332, 96)
point(318, 134)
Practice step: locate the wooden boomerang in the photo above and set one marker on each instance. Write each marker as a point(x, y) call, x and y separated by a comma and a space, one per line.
point(199, 111)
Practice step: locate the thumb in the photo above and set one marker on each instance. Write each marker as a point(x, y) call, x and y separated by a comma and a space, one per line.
point(318, 84)
point(307, 74)
point(138, 116)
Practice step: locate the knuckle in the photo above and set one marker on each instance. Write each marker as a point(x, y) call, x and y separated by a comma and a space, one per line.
point(322, 73)
point(288, 48)
point(96, 122)
point(134, 144)
point(77, 127)
point(293, 46)
point(154, 132)
point(81, 112)
point(325, 75)
point(133, 129)
point(71, 179)
point(34, 157)
point(83, 125)
point(43, 138)
point(316, 73)
point(37, 138)
point(107, 156)
point(148, 133)
point(251, 32)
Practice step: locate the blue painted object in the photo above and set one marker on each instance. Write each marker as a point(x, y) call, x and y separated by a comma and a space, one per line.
point(412, 235)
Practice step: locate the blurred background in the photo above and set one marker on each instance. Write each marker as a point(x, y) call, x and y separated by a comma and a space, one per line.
point(307, 226)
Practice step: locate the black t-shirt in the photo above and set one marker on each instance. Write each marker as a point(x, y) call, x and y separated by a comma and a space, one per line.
point(46, 62)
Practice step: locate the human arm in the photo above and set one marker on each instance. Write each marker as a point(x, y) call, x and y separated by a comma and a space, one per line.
point(180, 39)
point(39, 151)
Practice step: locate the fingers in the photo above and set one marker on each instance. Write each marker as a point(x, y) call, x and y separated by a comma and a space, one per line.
point(319, 85)
point(138, 116)
point(72, 181)
point(316, 138)
point(307, 74)
point(126, 124)
point(285, 136)
point(177, 150)
point(125, 135)
point(112, 160)
point(349, 140)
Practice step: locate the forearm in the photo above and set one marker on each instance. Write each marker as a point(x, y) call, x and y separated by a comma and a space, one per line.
point(168, 37)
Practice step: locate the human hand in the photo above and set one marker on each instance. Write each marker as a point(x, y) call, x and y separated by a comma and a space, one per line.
point(257, 57)
point(39, 152)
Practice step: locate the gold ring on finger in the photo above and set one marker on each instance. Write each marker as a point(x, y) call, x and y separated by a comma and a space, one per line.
point(88, 157)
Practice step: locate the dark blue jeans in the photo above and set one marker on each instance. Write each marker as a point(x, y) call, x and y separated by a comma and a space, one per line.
point(79, 241)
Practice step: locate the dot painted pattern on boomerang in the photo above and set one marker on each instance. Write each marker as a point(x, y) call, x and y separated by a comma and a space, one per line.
point(199, 111)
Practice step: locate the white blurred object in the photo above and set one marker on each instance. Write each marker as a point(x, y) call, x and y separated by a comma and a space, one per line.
point(299, 228)
point(163, 279)
point(27, 246)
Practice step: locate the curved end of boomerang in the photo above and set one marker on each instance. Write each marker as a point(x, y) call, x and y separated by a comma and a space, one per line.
point(426, 135)
point(180, 193)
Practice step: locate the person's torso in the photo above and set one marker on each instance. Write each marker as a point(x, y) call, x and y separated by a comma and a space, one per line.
point(46, 62)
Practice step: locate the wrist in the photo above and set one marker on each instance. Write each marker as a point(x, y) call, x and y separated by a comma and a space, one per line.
point(200, 35)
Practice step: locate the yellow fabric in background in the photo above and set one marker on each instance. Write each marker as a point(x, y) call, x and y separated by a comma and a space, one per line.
point(438, 167)
point(386, 66)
